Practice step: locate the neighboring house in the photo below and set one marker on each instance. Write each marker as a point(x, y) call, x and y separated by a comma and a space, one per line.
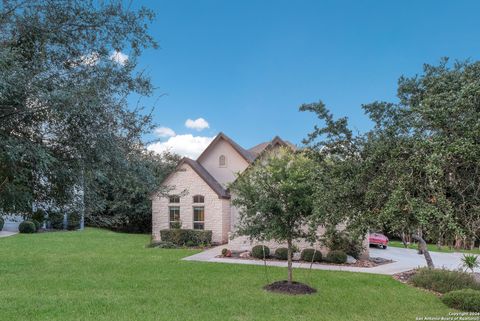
point(200, 198)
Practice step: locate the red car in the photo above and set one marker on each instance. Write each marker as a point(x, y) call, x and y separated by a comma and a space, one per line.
point(378, 239)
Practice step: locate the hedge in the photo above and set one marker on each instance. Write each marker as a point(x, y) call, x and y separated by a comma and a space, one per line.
point(56, 220)
point(443, 281)
point(337, 256)
point(465, 300)
point(260, 251)
point(309, 254)
point(27, 227)
point(2, 222)
point(73, 221)
point(186, 237)
point(281, 253)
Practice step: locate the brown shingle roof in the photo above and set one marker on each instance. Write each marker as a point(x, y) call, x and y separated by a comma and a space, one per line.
point(206, 176)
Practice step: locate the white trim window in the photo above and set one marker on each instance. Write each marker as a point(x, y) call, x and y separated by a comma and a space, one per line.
point(174, 215)
point(198, 218)
point(198, 199)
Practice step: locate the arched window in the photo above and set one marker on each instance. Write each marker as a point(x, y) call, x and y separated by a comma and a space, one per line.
point(198, 199)
point(222, 161)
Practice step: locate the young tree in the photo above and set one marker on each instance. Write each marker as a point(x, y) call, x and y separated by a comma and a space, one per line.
point(275, 199)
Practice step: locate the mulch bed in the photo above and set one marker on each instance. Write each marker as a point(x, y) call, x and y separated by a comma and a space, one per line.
point(295, 288)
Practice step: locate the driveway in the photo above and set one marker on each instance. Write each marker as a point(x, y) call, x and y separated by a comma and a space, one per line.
point(7, 233)
point(405, 260)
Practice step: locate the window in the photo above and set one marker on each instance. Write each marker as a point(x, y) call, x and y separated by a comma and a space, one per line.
point(222, 161)
point(198, 218)
point(174, 216)
point(174, 199)
point(198, 199)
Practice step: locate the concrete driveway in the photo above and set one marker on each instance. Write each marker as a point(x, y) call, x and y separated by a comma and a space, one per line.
point(407, 259)
point(7, 233)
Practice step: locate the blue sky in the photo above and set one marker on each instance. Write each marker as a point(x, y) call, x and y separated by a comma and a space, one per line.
point(246, 66)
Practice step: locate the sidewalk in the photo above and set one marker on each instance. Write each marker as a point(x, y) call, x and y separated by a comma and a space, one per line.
point(7, 233)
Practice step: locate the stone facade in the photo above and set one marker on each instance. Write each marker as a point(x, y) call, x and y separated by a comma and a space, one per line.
point(187, 183)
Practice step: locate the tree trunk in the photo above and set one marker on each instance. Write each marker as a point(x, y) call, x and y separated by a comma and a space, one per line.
point(423, 247)
point(404, 240)
point(289, 253)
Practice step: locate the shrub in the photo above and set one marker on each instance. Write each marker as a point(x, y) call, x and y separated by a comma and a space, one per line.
point(37, 224)
point(186, 237)
point(73, 221)
point(466, 300)
point(443, 281)
point(39, 216)
point(342, 241)
point(176, 225)
point(27, 227)
point(56, 220)
point(309, 254)
point(259, 250)
point(2, 222)
point(281, 253)
point(163, 245)
point(337, 256)
point(470, 262)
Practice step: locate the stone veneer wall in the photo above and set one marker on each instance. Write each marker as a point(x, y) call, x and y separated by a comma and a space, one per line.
point(216, 210)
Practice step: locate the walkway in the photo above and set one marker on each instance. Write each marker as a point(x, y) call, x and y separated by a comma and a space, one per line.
point(7, 233)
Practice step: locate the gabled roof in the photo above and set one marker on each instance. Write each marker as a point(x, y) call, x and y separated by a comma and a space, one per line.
point(205, 175)
point(249, 157)
point(257, 150)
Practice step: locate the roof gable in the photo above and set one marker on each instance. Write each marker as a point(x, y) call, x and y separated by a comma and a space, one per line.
point(249, 157)
point(204, 175)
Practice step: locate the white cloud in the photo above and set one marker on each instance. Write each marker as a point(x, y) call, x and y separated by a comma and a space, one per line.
point(198, 124)
point(184, 145)
point(164, 132)
point(119, 57)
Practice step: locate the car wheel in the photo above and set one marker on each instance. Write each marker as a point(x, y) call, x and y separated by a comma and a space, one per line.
point(384, 247)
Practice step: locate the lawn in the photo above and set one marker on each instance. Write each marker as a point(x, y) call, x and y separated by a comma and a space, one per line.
point(101, 275)
point(434, 248)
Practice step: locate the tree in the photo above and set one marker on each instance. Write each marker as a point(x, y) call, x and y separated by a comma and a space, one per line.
point(65, 121)
point(275, 199)
point(416, 171)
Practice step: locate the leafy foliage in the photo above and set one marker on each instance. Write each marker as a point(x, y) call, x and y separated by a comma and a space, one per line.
point(27, 227)
point(334, 240)
point(55, 219)
point(185, 237)
point(336, 256)
point(465, 300)
point(275, 198)
point(260, 251)
point(443, 281)
point(2, 222)
point(470, 262)
point(281, 253)
point(310, 255)
point(67, 132)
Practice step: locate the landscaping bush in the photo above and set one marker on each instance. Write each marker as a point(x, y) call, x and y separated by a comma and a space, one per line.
point(73, 221)
point(56, 220)
point(258, 251)
point(184, 237)
point(163, 245)
point(281, 253)
point(466, 300)
point(308, 255)
point(27, 227)
point(342, 241)
point(37, 224)
point(338, 257)
point(39, 216)
point(2, 222)
point(443, 281)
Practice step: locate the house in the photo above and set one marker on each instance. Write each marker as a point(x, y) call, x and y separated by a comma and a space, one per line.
point(200, 198)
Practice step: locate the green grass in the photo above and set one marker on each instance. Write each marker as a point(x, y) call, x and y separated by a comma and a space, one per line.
point(433, 248)
point(101, 275)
